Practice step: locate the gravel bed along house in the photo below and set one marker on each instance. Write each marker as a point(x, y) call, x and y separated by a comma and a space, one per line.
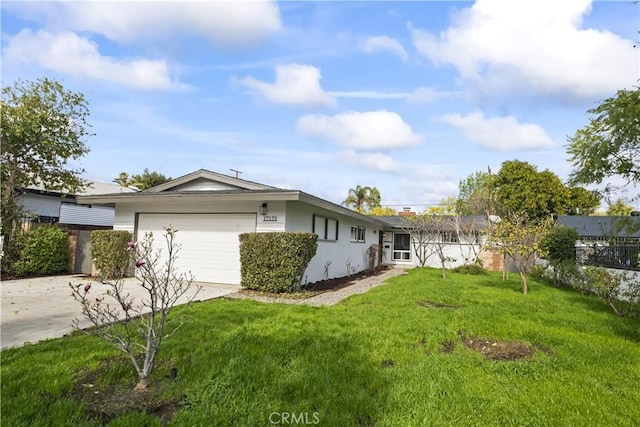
point(329, 297)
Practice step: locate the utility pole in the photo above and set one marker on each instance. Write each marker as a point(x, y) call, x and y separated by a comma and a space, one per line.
point(236, 171)
point(490, 196)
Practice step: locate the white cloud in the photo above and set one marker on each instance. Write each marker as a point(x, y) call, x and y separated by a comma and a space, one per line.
point(384, 43)
point(70, 54)
point(376, 161)
point(502, 133)
point(371, 130)
point(227, 24)
point(539, 46)
point(421, 95)
point(295, 85)
point(370, 94)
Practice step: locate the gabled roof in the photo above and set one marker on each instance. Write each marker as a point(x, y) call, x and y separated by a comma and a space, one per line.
point(234, 189)
point(601, 226)
point(240, 184)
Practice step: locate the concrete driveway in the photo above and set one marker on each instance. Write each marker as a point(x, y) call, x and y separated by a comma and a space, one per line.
point(43, 308)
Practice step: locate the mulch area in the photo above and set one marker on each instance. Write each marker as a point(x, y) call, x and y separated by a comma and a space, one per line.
point(322, 286)
point(332, 285)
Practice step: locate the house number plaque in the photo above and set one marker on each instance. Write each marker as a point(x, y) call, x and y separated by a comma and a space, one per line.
point(269, 218)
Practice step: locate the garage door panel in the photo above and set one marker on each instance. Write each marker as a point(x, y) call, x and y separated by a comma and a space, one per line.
point(209, 242)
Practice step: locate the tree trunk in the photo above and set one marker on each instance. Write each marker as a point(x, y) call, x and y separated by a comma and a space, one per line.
point(143, 385)
point(525, 284)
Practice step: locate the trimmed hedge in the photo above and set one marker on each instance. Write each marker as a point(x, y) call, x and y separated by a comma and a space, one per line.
point(43, 250)
point(275, 262)
point(110, 254)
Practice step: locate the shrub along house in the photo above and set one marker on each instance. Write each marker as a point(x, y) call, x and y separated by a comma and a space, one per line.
point(211, 210)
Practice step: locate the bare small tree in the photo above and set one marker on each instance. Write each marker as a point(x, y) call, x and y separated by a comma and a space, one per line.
point(428, 237)
point(139, 328)
point(468, 236)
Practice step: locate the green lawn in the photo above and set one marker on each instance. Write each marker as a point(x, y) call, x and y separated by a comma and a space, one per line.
point(375, 359)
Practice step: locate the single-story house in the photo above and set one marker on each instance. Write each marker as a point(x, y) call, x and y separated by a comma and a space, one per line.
point(210, 210)
point(42, 206)
point(460, 240)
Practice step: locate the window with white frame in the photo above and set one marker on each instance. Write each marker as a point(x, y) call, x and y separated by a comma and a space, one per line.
point(325, 228)
point(449, 237)
point(401, 247)
point(357, 233)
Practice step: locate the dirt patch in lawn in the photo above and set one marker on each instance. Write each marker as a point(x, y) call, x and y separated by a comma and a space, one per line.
point(494, 349)
point(106, 402)
point(448, 347)
point(432, 304)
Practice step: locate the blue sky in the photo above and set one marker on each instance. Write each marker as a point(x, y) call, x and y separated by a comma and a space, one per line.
point(409, 97)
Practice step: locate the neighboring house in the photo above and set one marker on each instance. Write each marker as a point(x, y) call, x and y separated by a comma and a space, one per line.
point(211, 210)
point(603, 229)
point(460, 241)
point(607, 241)
point(41, 206)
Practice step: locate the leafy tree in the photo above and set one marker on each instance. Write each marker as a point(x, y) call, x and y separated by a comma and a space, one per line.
point(619, 208)
point(610, 144)
point(582, 201)
point(445, 207)
point(475, 195)
point(559, 244)
point(519, 237)
point(143, 181)
point(382, 211)
point(520, 188)
point(139, 329)
point(43, 127)
point(362, 199)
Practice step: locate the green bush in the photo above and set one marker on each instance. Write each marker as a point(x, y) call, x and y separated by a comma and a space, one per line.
point(43, 250)
point(110, 254)
point(559, 244)
point(617, 288)
point(475, 269)
point(275, 262)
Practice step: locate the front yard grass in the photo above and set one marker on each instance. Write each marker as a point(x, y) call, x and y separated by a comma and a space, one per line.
point(417, 351)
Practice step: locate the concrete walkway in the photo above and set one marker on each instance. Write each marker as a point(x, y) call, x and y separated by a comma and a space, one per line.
point(42, 308)
point(331, 297)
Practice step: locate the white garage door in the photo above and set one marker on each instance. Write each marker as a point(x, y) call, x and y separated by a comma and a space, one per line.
point(210, 245)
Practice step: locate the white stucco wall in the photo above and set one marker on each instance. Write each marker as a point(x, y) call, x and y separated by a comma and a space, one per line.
point(462, 253)
point(340, 252)
point(281, 216)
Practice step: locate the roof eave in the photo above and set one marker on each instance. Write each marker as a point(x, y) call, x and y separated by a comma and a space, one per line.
point(252, 195)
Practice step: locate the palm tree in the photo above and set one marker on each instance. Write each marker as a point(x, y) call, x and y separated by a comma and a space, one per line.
point(123, 179)
point(362, 198)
